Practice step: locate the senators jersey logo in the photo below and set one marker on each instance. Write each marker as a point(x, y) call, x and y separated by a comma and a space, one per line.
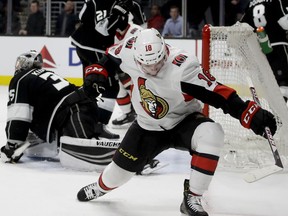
point(180, 59)
point(129, 43)
point(153, 105)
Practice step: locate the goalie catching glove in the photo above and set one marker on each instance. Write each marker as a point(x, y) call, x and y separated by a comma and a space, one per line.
point(95, 80)
point(256, 119)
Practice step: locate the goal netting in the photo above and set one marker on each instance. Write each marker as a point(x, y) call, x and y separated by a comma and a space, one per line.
point(231, 54)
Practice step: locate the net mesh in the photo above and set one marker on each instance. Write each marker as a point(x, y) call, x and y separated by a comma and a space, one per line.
point(234, 53)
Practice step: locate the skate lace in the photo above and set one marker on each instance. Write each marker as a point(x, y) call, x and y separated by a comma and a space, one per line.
point(194, 202)
point(92, 191)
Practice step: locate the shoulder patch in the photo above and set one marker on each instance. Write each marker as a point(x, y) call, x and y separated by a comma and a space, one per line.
point(180, 59)
point(129, 43)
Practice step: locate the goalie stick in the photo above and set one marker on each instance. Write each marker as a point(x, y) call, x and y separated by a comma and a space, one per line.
point(20, 150)
point(255, 175)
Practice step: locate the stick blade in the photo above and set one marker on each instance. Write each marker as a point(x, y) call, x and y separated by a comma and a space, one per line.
point(258, 174)
point(21, 149)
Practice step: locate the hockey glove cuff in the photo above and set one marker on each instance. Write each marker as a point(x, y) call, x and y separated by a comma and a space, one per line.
point(95, 80)
point(256, 118)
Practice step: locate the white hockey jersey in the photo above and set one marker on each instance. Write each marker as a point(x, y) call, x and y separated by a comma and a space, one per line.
point(131, 31)
point(158, 100)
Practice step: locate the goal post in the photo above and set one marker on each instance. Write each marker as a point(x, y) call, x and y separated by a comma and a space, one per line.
point(231, 54)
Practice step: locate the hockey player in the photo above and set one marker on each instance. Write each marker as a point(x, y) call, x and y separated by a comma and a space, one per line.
point(124, 98)
point(99, 22)
point(273, 16)
point(168, 84)
point(124, 94)
point(47, 105)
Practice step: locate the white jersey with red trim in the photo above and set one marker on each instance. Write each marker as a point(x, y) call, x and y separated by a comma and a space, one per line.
point(131, 31)
point(158, 100)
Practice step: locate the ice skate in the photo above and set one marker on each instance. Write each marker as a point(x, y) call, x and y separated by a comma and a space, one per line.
point(191, 204)
point(89, 192)
point(105, 133)
point(151, 167)
point(124, 120)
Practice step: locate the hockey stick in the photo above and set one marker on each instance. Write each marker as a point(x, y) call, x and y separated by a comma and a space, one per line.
point(20, 150)
point(255, 175)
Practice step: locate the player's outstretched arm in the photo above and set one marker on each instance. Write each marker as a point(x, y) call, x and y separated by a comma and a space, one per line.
point(249, 114)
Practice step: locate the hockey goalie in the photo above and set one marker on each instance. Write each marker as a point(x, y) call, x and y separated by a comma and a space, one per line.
point(47, 114)
point(49, 117)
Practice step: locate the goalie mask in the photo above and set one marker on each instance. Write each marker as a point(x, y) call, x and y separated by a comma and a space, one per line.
point(149, 51)
point(27, 61)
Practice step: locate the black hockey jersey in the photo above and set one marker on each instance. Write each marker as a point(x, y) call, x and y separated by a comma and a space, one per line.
point(34, 96)
point(88, 36)
point(270, 14)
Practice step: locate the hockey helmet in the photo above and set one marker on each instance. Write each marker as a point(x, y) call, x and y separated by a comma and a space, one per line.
point(149, 51)
point(28, 60)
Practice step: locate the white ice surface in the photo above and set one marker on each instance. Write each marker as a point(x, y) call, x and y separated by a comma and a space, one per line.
point(44, 188)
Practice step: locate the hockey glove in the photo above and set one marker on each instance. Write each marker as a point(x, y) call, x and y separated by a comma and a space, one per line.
point(7, 153)
point(95, 80)
point(122, 7)
point(256, 118)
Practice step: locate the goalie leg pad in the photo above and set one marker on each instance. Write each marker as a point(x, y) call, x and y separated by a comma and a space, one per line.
point(86, 154)
point(42, 150)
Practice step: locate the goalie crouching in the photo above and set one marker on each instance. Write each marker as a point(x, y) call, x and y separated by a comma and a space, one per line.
point(44, 110)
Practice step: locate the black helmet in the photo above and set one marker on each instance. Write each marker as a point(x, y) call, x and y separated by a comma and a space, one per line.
point(28, 60)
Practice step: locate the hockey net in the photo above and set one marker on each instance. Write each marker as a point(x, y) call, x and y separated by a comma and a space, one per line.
point(231, 54)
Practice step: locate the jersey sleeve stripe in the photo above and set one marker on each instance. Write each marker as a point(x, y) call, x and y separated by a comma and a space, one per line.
point(20, 111)
point(224, 91)
point(187, 97)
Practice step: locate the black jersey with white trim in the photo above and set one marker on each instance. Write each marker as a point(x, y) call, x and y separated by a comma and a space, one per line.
point(98, 24)
point(86, 36)
point(33, 96)
point(270, 14)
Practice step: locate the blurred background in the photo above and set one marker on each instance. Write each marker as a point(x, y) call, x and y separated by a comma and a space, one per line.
point(14, 15)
